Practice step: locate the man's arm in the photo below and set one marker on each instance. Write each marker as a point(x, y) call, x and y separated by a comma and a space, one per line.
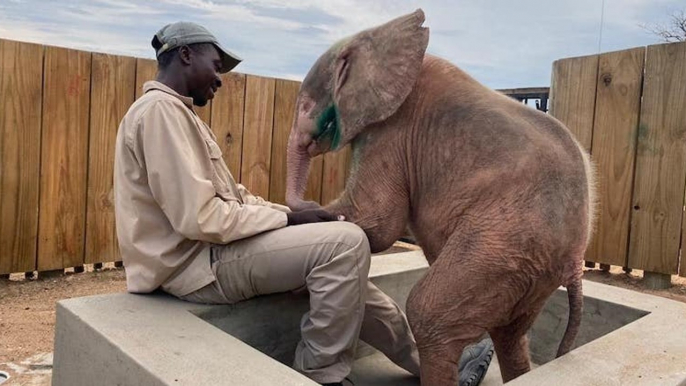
point(179, 176)
point(251, 199)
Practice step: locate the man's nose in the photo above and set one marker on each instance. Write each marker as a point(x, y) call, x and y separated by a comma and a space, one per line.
point(217, 80)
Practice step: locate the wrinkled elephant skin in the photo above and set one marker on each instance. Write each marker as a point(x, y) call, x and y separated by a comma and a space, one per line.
point(498, 194)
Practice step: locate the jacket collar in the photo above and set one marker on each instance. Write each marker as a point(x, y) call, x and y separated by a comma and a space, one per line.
point(155, 85)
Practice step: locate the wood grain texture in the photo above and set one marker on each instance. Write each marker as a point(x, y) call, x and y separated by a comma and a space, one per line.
point(614, 147)
point(21, 75)
point(146, 69)
point(573, 95)
point(112, 92)
point(227, 120)
point(661, 162)
point(64, 162)
point(257, 134)
point(334, 174)
point(286, 93)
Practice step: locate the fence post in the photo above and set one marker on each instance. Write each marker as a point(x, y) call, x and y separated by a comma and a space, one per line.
point(654, 280)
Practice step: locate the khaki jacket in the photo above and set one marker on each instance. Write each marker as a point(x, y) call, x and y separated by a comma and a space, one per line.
point(174, 196)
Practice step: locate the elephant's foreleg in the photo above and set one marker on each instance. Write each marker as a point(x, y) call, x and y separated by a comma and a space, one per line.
point(376, 199)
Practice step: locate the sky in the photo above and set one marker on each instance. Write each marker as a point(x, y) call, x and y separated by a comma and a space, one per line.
point(501, 43)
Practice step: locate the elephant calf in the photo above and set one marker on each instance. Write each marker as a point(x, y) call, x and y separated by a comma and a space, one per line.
point(498, 195)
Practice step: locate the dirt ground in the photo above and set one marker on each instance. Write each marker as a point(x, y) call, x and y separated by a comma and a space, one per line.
point(27, 311)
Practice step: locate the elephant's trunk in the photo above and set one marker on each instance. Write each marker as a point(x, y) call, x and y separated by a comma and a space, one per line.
point(298, 162)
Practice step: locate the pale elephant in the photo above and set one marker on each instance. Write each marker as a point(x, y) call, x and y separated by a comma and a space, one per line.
point(499, 195)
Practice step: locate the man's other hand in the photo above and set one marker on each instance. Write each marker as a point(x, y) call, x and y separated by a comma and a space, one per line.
point(312, 216)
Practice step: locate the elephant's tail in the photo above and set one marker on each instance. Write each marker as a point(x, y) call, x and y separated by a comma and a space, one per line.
point(576, 305)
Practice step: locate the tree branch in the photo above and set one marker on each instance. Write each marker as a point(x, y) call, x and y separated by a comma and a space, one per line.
point(674, 32)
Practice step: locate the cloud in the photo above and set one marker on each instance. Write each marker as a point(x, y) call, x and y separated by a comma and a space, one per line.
point(501, 43)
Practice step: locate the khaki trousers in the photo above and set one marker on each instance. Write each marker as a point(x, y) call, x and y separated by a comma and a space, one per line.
point(332, 261)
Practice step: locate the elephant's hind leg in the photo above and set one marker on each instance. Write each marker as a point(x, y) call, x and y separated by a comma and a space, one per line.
point(512, 345)
point(447, 314)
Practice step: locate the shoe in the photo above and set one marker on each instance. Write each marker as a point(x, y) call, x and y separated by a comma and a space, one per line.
point(474, 362)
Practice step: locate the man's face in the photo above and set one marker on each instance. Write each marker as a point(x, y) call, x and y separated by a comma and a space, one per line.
point(203, 74)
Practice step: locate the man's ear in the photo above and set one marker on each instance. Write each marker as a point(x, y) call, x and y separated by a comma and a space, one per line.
point(185, 55)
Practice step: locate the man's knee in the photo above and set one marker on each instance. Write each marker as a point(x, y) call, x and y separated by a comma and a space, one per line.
point(351, 240)
point(352, 236)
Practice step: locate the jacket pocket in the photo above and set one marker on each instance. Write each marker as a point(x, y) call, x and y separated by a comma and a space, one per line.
point(220, 178)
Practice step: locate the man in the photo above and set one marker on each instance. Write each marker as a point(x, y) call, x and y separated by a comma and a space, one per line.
point(185, 226)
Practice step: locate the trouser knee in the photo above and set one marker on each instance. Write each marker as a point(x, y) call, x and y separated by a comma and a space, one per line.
point(352, 242)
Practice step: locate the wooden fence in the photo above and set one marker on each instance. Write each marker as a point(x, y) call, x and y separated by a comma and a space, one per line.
point(628, 108)
point(59, 114)
point(60, 109)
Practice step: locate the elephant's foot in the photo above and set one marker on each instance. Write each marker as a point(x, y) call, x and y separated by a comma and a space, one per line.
point(438, 366)
point(513, 352)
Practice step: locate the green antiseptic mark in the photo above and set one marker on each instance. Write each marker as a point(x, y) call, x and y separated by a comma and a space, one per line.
point(328, 126)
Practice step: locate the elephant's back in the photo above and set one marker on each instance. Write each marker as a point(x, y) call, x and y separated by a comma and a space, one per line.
point(491, 160)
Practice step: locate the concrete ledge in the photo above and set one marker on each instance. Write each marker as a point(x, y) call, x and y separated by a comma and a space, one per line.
point(648, 351)
point(124, 339)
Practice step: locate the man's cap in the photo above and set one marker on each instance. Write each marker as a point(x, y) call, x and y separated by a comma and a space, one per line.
point(183, 33)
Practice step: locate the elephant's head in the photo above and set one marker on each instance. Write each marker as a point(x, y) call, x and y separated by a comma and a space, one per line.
point(359, 81)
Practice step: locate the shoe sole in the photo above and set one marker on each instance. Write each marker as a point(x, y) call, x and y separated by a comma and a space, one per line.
point(477, 367)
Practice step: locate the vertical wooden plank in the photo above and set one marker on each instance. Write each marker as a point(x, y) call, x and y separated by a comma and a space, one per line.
point(64, 163)
point(661, 162)
point(614, 147)
point(227, 120)
point(257, 134)
point(573, 94)
point(146, 69)
point(286, 93)
point(112, 92)
point(21, 76)
point(334, 175)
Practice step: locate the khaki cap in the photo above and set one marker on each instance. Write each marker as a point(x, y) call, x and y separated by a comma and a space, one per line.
point(183, 33)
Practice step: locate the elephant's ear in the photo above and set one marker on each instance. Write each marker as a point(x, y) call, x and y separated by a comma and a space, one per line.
point(376, 70)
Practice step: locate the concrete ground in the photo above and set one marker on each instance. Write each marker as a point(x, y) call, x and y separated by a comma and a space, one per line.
point(377, 370)
point(27, 313)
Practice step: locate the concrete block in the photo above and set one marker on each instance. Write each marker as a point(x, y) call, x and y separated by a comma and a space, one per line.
point(123, 339)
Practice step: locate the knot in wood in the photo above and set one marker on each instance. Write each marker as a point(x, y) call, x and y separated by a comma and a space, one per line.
point(607, 79)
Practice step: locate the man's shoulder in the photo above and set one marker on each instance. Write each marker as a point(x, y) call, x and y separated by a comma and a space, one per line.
point(152, 99)
point(148, 103)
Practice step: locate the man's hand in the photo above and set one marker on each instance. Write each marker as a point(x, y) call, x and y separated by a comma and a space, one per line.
point(312, 216)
